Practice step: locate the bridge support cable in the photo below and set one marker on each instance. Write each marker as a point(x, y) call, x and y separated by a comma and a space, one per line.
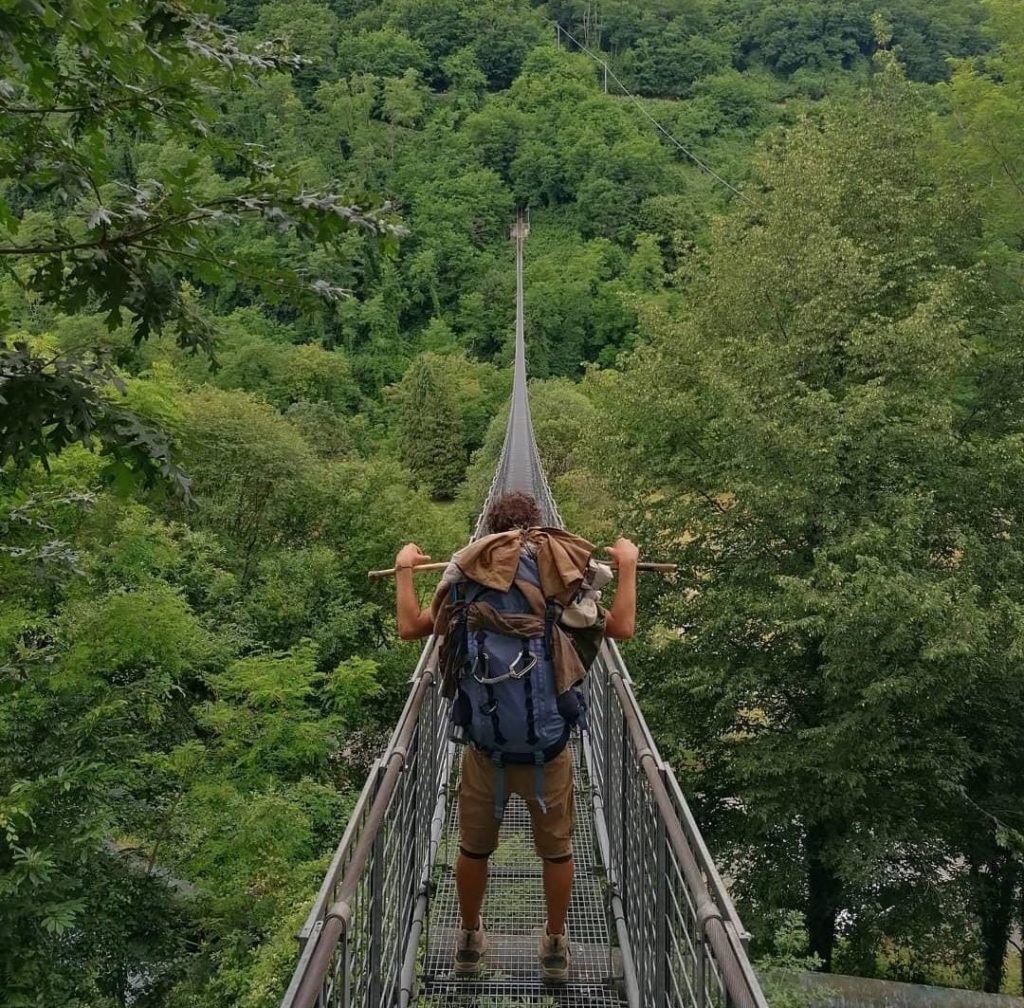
point(651, 922)
point(562, 32)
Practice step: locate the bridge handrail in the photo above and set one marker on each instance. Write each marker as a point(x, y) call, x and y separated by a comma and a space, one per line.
point(689, 825)
point(686, 943)
point(362, 861)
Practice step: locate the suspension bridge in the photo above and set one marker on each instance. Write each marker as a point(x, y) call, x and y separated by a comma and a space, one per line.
point(651, 922)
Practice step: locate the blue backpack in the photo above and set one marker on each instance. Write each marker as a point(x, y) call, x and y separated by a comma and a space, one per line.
point(506, 700)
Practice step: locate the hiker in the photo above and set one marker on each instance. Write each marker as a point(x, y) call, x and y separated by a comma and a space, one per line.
point(518, 614)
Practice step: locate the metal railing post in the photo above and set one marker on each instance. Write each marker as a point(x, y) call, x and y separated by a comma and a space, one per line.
point(699, 969)
point(661, 917)
point(346, 970)
point(375, 950)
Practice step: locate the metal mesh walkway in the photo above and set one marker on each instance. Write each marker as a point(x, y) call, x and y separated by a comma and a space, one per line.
point(519, 466)
point(514, 914)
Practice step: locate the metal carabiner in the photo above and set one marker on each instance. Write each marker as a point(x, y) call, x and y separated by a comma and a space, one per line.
point(480, 658)
point(517, 673)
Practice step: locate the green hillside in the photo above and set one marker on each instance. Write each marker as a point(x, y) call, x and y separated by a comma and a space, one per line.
point(256, 317)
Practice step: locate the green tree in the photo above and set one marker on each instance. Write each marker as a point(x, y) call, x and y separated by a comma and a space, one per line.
point(646, 267)
point(668, 63)
point(467, 79)
point(574, 310)
point(254, 805)
point(250, 470)
point(986, 136)
point(86, 230)
point(308, 28)
point(475, 390)
point(805, 442)
point(402, 102)
point(83, 708)
point(433, 438)
point(384, 53)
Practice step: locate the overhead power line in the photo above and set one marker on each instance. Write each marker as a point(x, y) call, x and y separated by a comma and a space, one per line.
point(609, 72)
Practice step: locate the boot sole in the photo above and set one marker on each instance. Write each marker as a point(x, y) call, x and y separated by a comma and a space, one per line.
point(471, 969)
point(554, 976)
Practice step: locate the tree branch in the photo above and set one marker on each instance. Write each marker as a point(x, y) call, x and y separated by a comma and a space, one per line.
point(125, 238)
point(230, 268)
point(71, 109)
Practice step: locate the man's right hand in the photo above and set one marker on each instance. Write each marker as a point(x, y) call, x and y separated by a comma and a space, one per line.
point(624, 553)
point(410, 555)
point(620, 623)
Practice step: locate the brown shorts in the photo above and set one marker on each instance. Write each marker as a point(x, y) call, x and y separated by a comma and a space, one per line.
point(552, 830)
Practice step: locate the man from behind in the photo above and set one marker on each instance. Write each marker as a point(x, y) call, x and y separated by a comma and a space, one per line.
point(519, 616)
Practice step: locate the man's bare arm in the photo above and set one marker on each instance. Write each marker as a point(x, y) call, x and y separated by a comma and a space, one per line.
point(413, 623)
point(620, 623)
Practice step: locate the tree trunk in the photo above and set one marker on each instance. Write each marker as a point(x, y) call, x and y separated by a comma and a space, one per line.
point(823, 891)
point(824, 886)
point(994, 879)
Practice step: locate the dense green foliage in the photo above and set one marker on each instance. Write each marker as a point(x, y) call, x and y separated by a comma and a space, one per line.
point(829, 438)
point(226, 392)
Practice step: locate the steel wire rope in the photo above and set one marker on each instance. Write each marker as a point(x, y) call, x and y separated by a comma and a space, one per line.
point(693, 157)
point(703, 165)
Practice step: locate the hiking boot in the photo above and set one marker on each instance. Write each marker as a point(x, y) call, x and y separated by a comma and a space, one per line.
point(470, 947)
point(555, 957)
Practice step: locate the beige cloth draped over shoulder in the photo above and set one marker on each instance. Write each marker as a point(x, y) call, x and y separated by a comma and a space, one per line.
point(562, 560)
point(492, 561)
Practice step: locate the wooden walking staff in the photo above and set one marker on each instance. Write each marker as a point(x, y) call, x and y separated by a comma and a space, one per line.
point(426, 568)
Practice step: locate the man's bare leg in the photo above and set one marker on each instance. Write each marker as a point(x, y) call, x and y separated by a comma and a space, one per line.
point(558, 876)
point(470, 884)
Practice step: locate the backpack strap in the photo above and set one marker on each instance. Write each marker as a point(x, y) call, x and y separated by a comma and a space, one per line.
point(531, 721)
point(552, 614)
point(490, 708)
point(549, 609)
point(457, 597)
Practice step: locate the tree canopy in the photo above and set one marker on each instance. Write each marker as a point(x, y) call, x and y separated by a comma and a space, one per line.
point(256, 317)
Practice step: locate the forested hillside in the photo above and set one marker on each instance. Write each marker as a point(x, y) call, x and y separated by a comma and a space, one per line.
point(256, 306)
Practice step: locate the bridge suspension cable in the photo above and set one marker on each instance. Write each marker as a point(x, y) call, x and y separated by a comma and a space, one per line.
point(638, 102)
point(651, 922)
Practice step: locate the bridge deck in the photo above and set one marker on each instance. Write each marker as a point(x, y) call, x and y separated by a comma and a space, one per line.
point(364, 943)
point(514, 914)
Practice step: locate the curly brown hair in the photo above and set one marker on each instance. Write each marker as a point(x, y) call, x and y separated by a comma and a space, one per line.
point(511, 511)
